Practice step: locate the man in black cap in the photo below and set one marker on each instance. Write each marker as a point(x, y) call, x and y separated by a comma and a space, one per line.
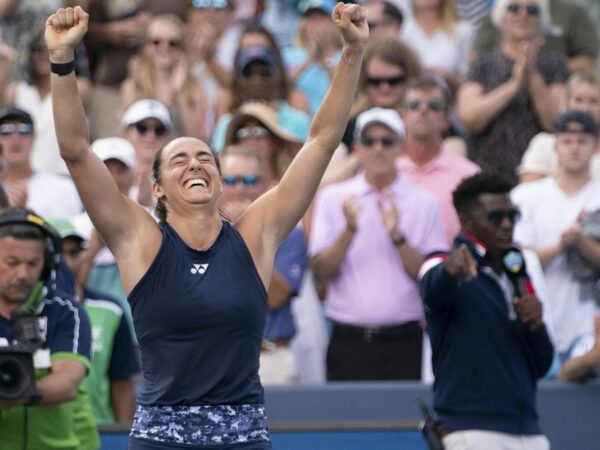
point(46, 193)
point(554, 211)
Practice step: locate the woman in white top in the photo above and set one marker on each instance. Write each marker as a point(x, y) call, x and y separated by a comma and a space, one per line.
point(440, 39)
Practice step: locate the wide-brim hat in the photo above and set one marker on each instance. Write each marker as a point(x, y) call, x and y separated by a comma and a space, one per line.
point(265, 115)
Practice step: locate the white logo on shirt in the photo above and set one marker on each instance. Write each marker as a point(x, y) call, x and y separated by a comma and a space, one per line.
point(199, 268)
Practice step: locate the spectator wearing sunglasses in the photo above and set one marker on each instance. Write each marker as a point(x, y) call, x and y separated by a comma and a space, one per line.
point(426, 159)
point(117, 32)
point(32, 95)
point(573, 34)
point(367, 240)
point(45, 192)
point(512, 93)
point(258, 75)
point(489, 340)
point(246, 176)
point(161, 71)
point(554, 210)
point(147, 125)
point(387, 66)
point(276, 137)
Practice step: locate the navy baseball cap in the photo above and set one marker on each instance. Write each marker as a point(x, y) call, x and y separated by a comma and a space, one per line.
point(575, 121)
point(256, 53)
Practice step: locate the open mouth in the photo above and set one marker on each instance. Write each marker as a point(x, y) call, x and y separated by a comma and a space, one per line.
point(195, 182)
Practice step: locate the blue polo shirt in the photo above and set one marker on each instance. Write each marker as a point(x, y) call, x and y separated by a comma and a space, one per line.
point(290, 261)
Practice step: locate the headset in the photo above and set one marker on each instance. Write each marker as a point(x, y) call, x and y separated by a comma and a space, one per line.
point(22, 216)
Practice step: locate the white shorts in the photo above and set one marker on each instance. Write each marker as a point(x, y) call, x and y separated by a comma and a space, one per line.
point(493, 440)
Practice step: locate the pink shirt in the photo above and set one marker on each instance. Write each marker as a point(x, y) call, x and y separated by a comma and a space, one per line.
point(440, 176)
point(372, 288)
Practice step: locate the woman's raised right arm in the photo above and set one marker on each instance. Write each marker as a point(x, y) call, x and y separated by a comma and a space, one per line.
point(117, 218)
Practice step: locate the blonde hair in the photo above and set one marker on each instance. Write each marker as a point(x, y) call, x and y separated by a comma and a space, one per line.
point(587, 76)
point(145, 84)
point(500, 6)
point(448, 14)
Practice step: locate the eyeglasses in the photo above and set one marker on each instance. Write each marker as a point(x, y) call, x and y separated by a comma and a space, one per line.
point(204, 4)
point(172, 43)
point(495, 218)
point(531, 10)
point(433, 105)
point(392, 81)
point(23, 129)
point(142, 128)
point(256, 131)
point(262, 70)
point(386, 142)
point(246, 180)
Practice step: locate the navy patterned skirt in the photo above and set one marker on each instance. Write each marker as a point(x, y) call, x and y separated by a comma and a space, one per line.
point(202, 427)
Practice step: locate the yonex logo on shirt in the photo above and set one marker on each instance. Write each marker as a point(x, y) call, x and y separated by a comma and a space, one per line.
point(199, 268)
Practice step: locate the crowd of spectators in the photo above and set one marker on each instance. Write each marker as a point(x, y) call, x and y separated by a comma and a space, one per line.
point(448, 88)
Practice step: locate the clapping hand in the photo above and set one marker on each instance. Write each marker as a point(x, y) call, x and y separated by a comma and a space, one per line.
point(351, 208)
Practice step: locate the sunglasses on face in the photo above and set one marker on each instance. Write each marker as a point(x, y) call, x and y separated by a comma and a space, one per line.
point(23, 129)
point(391, 81)
point(142, 128)
point(261, 70)
point(172, 43)
point(256, 131)
point(204, 4)
point(531, 10)
point(386, 142)
point(495, 218)
point(246, 180)
point(433, 105)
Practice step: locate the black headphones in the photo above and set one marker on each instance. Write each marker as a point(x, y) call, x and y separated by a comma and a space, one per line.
point(22, 216)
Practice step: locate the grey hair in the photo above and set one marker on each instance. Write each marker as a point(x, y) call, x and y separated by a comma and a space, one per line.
point(546, 26)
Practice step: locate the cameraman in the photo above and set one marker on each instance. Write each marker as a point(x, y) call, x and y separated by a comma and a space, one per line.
point(46, 420)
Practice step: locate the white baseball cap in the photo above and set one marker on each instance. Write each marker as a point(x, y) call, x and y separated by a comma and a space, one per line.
point(115, 148)
point(144, 109)
point(387, 117)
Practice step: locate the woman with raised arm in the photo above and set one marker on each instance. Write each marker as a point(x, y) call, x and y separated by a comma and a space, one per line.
point(197, 284)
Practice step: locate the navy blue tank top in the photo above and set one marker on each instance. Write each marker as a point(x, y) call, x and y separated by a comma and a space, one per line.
point(199, 318)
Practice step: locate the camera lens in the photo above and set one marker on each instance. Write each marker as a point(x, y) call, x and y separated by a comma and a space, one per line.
point(11, 376)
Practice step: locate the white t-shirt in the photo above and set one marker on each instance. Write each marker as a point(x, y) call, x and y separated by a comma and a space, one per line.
point(45, 155)
point(547, 212)
point(441, 50)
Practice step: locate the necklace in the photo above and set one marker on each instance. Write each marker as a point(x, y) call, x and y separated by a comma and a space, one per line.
point(212, 241)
